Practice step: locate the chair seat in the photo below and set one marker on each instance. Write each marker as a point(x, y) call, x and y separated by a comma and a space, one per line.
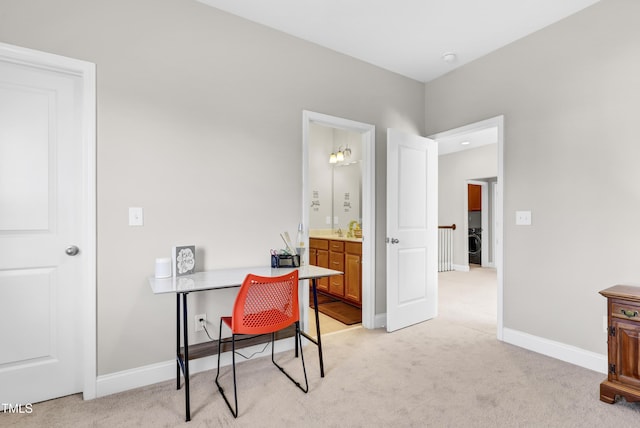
point(261, 322)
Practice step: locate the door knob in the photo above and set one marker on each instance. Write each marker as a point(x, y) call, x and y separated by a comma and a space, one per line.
point(72, 250)
point(394, 240)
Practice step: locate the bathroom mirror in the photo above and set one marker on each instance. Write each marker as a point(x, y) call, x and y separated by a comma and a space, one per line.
point(335, 178)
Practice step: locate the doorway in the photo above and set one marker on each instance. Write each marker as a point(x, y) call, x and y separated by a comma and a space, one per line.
point(481, 223)
point(497, 189)
point(367, 139)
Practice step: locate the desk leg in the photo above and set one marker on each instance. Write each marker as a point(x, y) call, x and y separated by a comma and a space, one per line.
point(186, 356)
point(319, 338)
point(178, 340)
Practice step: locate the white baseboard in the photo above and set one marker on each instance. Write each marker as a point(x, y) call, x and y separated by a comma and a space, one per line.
point(159, 372)
point(461, 268)
point(561, 351)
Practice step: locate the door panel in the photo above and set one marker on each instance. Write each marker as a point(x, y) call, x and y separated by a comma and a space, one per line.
point(412, 229)
point(40, 197)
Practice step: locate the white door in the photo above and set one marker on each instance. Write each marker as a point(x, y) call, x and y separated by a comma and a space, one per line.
point(412, 229)
point(40, 217)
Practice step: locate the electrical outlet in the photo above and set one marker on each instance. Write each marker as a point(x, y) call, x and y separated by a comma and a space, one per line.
point(199, 324)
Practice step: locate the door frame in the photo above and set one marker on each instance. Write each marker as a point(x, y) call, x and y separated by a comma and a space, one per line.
point(494, 122)
point(86, 71)
point(368, 135)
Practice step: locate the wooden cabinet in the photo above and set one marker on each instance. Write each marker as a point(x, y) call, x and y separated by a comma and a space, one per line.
point(336, 262)
point(344, 256)
point(353, 272)
point(623, 315)
point(474, 192)
point(319, 256)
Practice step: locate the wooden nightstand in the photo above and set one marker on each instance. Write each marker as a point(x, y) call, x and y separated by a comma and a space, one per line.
point(623, 309)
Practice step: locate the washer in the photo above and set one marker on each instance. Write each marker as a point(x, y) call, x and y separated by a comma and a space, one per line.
point(475, 245)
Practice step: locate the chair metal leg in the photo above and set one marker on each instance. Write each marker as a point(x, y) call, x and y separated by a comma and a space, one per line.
point(234, 412)
point(298, 339)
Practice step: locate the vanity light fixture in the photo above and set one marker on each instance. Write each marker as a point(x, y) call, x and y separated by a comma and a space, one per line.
point(347, 152)
point(340, 155)
point(333, 158)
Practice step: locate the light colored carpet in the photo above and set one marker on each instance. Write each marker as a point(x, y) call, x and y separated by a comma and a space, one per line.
point(447, 372)
point(328, 325)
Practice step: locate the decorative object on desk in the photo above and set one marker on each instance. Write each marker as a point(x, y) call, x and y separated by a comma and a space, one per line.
point(300, 243)
point(184, 260)
point(288, 260)
point(287, 242)
point(163, 267)
point(284, 259)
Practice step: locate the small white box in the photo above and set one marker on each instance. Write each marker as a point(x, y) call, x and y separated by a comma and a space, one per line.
point(163, 267)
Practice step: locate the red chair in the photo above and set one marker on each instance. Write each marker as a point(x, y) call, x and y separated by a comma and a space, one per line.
point(264, 305)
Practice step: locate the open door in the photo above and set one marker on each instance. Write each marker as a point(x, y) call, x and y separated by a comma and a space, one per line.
point(412, 229)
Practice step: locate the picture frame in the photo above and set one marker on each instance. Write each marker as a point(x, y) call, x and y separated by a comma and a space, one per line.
point(183, 260)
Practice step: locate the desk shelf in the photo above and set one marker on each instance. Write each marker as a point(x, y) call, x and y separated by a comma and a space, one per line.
point(207, 349)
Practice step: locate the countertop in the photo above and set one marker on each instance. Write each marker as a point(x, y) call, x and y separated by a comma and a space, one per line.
point(334, 237)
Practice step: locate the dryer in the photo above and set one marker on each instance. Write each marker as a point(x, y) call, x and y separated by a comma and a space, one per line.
point(475, 245)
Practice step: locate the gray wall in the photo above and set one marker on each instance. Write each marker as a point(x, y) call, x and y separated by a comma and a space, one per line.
point(570, 97)
point(454, 170)
point(200, 123)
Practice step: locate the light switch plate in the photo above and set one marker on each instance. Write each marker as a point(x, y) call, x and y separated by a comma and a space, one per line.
point(135, 216)
point(523, 218)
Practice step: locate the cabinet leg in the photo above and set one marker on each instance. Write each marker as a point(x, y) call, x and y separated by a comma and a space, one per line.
point(607, 394)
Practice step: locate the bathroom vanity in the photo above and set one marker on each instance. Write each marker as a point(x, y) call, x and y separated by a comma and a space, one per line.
point(342, 254)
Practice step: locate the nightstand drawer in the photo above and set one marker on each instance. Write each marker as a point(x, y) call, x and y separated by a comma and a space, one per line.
point(625, 310)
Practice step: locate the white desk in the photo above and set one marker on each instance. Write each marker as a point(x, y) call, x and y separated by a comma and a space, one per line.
point(227, 278)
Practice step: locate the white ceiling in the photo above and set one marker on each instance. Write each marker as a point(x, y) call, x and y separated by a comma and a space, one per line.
point(467, 141)
point(408, 37)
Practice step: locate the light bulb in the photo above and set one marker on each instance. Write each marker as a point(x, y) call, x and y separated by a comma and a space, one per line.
point(340, 156)
point(333, 158)
point(347, 153)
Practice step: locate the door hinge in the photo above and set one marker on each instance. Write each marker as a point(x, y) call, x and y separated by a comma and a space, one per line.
point(612, 369)
point(612, 331)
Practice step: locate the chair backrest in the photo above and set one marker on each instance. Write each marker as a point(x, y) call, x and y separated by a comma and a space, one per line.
point(266, 304)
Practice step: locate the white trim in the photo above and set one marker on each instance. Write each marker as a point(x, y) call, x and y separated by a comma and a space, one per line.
point(368, 133)
point(160, 372)
point(561, 351)
point(87, 72)
point(125, 380)
point(497, 122)
point(461, 268)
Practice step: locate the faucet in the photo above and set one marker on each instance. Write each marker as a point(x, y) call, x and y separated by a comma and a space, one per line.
point(340, 233)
